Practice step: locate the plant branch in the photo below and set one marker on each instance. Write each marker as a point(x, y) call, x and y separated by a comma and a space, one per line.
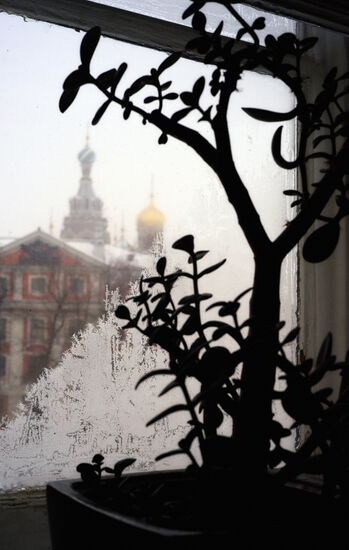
point(315, 204)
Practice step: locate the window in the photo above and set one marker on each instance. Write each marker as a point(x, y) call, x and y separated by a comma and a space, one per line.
point(3, 332)
point(36, 364)
point(76, 286)
point(138, 162)
point(2, 367)
point(4, 287)
point(37, 330)
point(38, 285)
point(101, 363)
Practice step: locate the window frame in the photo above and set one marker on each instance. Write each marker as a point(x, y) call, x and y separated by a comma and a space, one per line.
point(119, 24)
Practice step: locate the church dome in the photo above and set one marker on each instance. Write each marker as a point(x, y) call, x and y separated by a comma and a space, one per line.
point(151, 216)
point(87, 156)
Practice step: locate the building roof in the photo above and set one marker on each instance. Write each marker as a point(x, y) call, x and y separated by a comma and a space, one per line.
point(102, 254)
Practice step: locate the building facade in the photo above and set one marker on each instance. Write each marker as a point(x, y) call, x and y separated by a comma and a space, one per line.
point(50, 288)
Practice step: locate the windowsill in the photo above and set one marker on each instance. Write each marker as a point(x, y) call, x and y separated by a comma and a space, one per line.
point(27, 509)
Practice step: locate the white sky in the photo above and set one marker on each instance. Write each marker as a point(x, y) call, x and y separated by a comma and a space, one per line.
point(39, 170)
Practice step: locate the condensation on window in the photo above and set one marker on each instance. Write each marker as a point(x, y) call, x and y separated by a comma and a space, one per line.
point(63, 397)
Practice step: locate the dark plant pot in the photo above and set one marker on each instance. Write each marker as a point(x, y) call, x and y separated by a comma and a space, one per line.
point(288, 518)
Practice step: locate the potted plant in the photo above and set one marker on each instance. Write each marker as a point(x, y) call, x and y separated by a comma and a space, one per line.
point(250, 466)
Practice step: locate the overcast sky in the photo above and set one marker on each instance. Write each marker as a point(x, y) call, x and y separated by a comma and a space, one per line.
point(39, 170)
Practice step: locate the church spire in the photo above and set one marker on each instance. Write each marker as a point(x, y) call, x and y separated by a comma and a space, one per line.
point(85, 221)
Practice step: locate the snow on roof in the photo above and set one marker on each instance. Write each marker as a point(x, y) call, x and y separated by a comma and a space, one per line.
point(110, 254)
point(6, 240)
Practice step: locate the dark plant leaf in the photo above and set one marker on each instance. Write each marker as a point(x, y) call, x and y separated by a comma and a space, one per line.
point(155, 372)
point(171, 96)
point(292, 335)
point(324, 352)
point(212, 268)
point(76, 79)
point(161, 265)
point(100, 112)
point(198, 255)
point(166, 85)
point(202, 44)
point(198, 88)
point(181, 114)
point(107, 78)
point(319, 140)
point(186, 244)
point(88, 473)
point(139, 84)
point(276, 151)
point(199, 21)
point(163, 139)
point(195, 6)
point(308, 43)
point(98, 459)
point(67, 99)
point(122, 312)
point(191, 325)
point(150, 99)
point(167, 412)
point(121, 465)
point(170, 453)
point(293, 193)
point(259, 23)
point(241, 32)
point(89, 44)
point(187, 441)
point(195, 298)
point(322, 243)
point(168, 62)
point(270, 116)
point(174, 384)
point(187, 98)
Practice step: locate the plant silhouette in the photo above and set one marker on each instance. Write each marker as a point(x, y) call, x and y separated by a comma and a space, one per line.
point(255, 448)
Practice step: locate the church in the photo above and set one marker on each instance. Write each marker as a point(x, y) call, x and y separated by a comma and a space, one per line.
point(50, 288)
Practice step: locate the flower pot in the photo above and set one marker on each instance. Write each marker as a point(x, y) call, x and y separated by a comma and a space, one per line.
point(280, 519)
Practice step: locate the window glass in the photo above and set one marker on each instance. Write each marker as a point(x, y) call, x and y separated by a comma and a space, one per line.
point(3, 287)
point(76, 285)
point(38, 285)
point(35, 365)
point(94, 201)
point(37, 330)
point(3, 332)
point(2, 366)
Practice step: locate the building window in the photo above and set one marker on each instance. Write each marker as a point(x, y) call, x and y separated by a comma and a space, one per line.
point(37, 330)
point(2, 330)
point(2, 366)
point(38, 285)
point(4, 286)
point(36, 364)
point(76, 286)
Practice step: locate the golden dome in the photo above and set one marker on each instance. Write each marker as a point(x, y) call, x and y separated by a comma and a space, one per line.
point(151, 216)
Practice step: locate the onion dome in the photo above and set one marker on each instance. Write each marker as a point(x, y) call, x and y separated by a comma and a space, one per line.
point(150, 222)
point(151, 216)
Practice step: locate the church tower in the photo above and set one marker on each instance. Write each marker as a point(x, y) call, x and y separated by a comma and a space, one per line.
point(150, 223)
point(85, 221)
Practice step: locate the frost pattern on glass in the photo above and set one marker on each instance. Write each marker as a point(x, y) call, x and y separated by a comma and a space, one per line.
point(89, 404)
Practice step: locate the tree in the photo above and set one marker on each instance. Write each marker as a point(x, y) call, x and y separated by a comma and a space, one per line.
point(324, 115)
